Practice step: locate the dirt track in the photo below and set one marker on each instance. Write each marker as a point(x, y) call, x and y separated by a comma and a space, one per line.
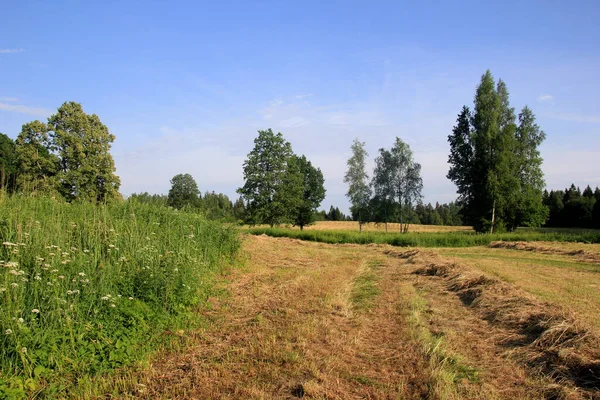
point(296, 325)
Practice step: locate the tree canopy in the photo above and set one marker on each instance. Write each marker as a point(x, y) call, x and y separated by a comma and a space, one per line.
point(359, 191)
point(69, 155)
point(184, 192)
point(279, 187)
point(495, 162)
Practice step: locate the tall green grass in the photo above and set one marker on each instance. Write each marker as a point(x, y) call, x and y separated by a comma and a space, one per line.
point(85, 289)
point(426, 239)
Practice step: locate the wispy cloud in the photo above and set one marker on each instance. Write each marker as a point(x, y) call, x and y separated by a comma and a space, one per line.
point(544, 98)
point(9, 99)
point(9, 51)
point(40, 112)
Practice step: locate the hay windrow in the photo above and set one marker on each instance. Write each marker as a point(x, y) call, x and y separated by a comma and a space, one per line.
point(548, 248)
point(545, 338)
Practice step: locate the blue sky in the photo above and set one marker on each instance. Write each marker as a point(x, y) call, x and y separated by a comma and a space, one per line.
point(184, 86)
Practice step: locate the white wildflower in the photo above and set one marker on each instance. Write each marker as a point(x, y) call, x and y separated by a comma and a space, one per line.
point(14, 285)
point(113, 305)
point(21, 320)
point(37, 278)
point(81, 274)
point(35, 311)
point(23, 349)
point(9, 244)
point(8, 331)
point(104, 298)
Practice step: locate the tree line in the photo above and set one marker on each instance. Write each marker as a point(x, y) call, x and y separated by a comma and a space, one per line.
point(184, 194)
point(68, 155)
point(573, 208)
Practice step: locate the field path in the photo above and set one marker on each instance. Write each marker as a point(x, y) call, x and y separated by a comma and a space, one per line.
point(325, 321)
point(291, 330)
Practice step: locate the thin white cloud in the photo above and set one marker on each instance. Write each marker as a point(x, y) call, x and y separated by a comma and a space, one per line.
point(39, 112)
point(9, 51)
point(304, 96)
point(545, 98)
point(9, 99)
point(293, 122)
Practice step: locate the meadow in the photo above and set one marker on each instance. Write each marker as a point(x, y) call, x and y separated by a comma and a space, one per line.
point(131, 300)
point(420, 235)
point(87, 289)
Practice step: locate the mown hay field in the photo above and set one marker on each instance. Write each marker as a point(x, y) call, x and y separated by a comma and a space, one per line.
point(317, 320)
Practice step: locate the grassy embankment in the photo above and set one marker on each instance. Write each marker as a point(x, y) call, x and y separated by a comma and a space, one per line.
point(418, 237)
point(86, 289)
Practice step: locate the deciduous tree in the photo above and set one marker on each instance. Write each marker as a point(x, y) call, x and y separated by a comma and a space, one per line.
point(271, 189)
point(359, 191)
point(184, 192)
point(313, 192)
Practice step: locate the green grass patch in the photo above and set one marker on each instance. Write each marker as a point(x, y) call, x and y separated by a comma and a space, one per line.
point(429, 239)
point(448, 368)
point(86, 289)
point(365, 289)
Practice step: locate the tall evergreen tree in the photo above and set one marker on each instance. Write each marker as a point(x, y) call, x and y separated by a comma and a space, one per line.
point(461, 162)
point(356, 177)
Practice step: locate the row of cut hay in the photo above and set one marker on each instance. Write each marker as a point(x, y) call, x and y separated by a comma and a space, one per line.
point(580, 254)
point(547, 339)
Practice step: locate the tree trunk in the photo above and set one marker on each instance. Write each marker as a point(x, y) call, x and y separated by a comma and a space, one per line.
point(493, 217)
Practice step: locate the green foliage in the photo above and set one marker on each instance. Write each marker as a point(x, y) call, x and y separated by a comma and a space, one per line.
point(571, 208)
point(82, 142)
point(266, 179)
point(313, 192)
point(8, 164)
point(36, 164)
point(69, 155)
point(359, 191)
point(495, 163)
point(279, 186)
point(429, 239)
point(184, 192)
point(88, 288)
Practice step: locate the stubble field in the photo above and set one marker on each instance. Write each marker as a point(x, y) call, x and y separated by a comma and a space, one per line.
point(331, 321)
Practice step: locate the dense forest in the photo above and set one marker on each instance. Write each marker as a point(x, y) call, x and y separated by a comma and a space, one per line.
point(573, 208)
